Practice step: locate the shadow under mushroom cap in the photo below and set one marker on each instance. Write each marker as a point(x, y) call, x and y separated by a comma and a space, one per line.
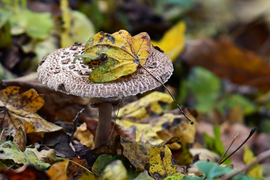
point(59, 72)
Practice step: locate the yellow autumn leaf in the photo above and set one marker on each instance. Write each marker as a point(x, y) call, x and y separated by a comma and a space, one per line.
point(20, 110)
point(145, 107)
point(161, 164)
point(256, 170)
point(173, 41)
point(76, 26)
point(120, 54)
point(84, 136)
point(58, 171)
point(47, 156)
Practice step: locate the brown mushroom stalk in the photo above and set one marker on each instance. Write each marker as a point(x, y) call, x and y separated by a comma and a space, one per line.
point(59, 72)
point(104, 123)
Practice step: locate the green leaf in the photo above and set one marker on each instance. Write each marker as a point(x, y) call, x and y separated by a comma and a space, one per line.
point(77, 26)
point(36, 25)
point(212, 170)
point(11, 152)
point(205, 87)
point(215, 144)
point(233, 100)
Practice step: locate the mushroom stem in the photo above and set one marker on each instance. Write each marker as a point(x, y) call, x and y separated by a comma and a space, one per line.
point(104, 123)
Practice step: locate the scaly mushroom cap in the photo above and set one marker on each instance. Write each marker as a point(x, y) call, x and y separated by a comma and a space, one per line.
point(59, 72)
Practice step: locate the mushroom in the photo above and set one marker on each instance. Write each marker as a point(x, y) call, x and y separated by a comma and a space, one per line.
point(59, 72)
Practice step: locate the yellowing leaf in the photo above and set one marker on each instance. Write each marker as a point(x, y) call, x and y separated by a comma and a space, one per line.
point(47, 156)
point(161, 164)
point(256, 170)
point(123, 53)
point(76, 26)
point(115, 170)
point(173, 41)
point(84, 135)
point(20, 139)
point(11, 152)
point(58, 171)
point(145, 107)
point(20, 110)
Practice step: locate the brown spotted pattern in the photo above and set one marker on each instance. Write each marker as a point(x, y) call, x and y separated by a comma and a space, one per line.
point(59, 72)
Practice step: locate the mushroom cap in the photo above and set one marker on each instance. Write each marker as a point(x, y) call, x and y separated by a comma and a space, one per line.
point(59, 72)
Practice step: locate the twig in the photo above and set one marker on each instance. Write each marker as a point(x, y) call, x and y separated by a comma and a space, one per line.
point(228, 148)
point(191, 121)
point(75, 120)
point(81, 166)
point(259, 158)
point(250, 134)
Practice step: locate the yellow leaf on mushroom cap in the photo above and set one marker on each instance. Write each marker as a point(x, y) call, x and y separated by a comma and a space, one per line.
point(120, 54)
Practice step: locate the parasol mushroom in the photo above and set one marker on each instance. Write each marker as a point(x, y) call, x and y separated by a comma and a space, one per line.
point(59, 72)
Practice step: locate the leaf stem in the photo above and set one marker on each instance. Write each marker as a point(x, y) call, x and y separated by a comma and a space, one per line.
point(191, 121)
point(250, 134)
point(81, 166)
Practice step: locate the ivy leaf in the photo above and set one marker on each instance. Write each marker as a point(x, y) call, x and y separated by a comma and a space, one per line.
point(120, 54)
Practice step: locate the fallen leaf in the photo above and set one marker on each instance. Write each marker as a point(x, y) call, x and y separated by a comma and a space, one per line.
point(47, 156)
point(84, 136)
point(87, 175)
point(120, 52)
point(59, 141)
point(58, 171)
point(161, 128)
point(103, 160)
point(75, 171)
point(227, 60)
point(77, 26)
point(136, 152)
point(173, 41)
point(11, 152)
point(149, 105)
point(161, 162)
point(20, 139)
point(25, 173)
point(20, 110)
point(255, 171)
point(115, 170)
point(57, 104)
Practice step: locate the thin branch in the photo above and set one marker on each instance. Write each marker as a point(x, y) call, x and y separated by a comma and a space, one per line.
point(75, 120)
point(250, 134)
point(228, 148)
point(191, 121)
point(259, 158)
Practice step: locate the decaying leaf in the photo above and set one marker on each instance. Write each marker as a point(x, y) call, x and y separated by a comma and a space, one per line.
point(162, 127)
point(84, 135)
point(256, 171)
point(11, 152)
point(47, 156)
point(145, 107)
point(25, 172)
point(161, 162)
point(20, 110)
point(75, 171)
point(120, 53)
point(173, 41)
point(76, 27)
point(136, 152)
point(227, 60)
point(20, 139)
point(58, 171)
point(115, 170)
